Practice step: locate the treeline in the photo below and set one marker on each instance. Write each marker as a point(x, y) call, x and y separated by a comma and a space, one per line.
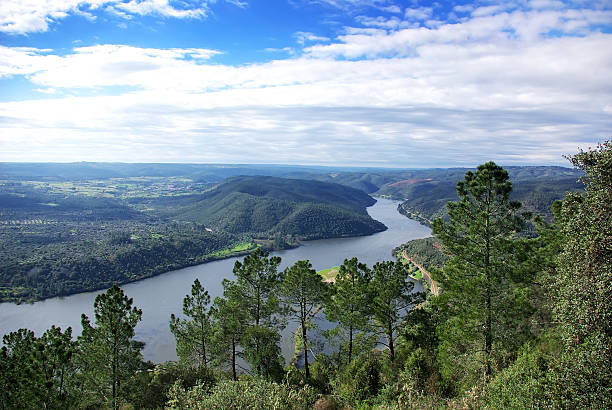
point(55, 268)
point(103, 367)
point(427, 252)
point(54, 242)
point(271, 207)
point(520, 322)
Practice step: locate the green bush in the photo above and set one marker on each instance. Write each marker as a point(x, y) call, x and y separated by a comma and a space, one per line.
point(255, 394)
point(360, 380)
point(523, 384)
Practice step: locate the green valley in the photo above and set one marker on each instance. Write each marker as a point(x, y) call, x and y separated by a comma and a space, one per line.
point(68, 232)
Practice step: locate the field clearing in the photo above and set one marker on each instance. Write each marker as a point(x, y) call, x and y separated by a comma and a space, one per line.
point(120, 188)
point(329, 274)
point(236, 250)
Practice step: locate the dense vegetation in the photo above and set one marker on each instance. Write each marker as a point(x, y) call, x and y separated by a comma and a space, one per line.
point(521, 322)
point(271, 207)
point(59, 237)
point(426, 252)
point(425, 193)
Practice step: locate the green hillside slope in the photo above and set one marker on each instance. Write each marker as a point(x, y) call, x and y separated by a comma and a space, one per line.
point(270, 207)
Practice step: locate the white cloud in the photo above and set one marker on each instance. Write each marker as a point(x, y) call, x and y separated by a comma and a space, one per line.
point(546, 4)
point(110, 65)
point(466, 8)
point(303, 37)
point(160, 7)
point(499, 28)
point(351, 5)
point(46, 90)
point(391, 9)
point(492, 10)
point(421, 13)
point(379, 94)
point(27, 16)
point(391, 23)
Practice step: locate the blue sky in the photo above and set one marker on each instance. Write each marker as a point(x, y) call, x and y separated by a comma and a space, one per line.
point(319, 82)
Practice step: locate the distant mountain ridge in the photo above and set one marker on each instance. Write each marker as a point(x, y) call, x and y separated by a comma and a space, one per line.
point(425, 193)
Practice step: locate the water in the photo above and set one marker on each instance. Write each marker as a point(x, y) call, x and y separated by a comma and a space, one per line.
point(162, 295)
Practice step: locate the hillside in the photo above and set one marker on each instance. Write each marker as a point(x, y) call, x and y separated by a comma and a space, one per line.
point(60, 236)
point(425, 192)
point(271, 207)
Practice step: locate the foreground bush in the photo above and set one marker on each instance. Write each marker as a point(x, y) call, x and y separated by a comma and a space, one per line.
point(243, 394)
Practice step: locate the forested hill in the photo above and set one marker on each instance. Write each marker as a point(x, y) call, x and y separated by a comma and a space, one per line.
point(273, 207)
point(425, 192)
point(60, 236)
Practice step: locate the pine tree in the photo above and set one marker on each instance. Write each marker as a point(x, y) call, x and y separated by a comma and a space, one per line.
point(257, 282)
point(392, 298)
point(54, 356)
point(20, 381)
point(37, 372)
point(193, 334)
point(303, 290)
point(476, 281)
point(349, 304)
point(229, 326)
point(109, 355)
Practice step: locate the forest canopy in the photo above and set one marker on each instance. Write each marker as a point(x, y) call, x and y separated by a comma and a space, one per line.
point(520, 321)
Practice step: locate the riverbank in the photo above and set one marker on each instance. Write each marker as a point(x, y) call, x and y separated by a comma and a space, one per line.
point(161, 295)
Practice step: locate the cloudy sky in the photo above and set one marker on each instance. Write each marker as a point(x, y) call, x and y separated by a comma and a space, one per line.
point(331, 82)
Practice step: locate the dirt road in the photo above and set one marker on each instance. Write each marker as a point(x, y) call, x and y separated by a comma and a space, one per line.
point(432, 284)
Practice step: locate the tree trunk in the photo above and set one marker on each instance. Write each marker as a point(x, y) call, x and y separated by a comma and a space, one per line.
point(305, 349)
point(390, 337)
point(203, 341)
point(488, 330)
point(234, 358)
point(350, 352)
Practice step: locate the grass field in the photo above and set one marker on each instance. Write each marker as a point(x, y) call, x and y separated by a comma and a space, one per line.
point(236, 250)
point(329, 275)
point(122, 188)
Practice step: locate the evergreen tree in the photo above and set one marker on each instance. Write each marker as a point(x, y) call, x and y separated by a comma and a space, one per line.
point(257, 282)
point(349, 304)
point(303, 290)
point(193, 334)
point(229, 326)
point(20, 381)
point(54, 356)
point(582, 292)
point(109, 355)
point(477, 280)
point(392, 298)
point(37, 372)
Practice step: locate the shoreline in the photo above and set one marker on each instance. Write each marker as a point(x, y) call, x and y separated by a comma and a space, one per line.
point(209, 259)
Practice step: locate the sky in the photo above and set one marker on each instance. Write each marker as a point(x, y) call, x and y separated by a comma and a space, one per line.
point(383, 83)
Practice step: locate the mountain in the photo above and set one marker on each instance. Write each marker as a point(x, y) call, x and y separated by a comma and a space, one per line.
point(425, 192)
point(270, 206)
point(61, 236)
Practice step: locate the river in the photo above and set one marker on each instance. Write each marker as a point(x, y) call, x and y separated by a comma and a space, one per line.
point(162, 295)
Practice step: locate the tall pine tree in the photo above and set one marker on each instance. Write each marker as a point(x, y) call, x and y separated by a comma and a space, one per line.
point(229, 326)
point(392, 298)
point(349, 304)
point(476, 281)
point(193, 334)
point(109, 355)
point(258, 281)
point(303, 290)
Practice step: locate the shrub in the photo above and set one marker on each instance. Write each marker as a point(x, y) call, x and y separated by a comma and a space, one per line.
point(253, 394)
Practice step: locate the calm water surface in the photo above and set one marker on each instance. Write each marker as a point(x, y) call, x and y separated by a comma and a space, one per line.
point(162, 295)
